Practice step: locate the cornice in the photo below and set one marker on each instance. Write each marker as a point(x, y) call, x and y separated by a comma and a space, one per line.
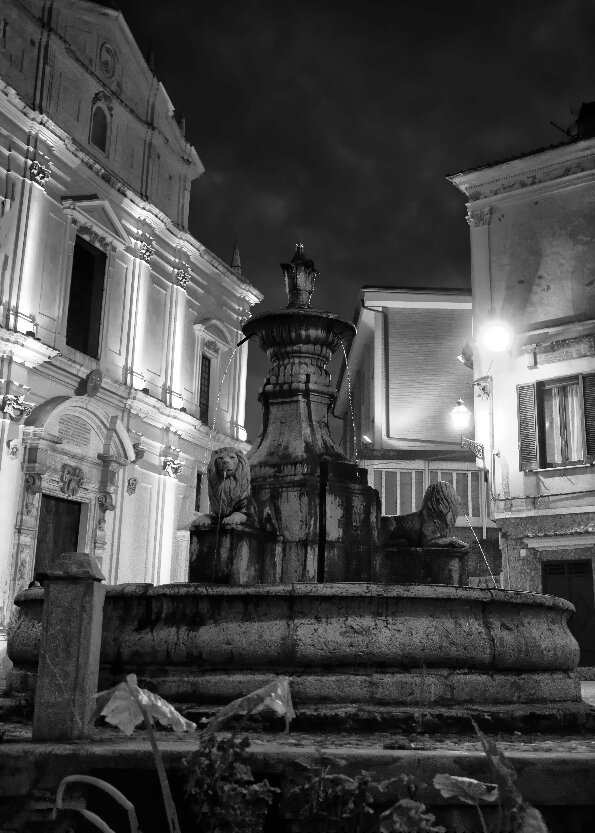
point(24, 349)
point(154, 412)
point(547, 167)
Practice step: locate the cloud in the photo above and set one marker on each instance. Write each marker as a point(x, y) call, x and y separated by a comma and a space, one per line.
point(335, 122)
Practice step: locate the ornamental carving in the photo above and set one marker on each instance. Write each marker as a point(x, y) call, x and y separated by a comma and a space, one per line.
point(131, 485)
point(94, 382)
point(89, 233)
point(211, 347)
point(15, 407)
point(38, 173)
point(108, 59)
point(182, 276)
point(476, 448)
point(478, 218)
point(146, 249)
point(139, 452)
point(14, 449)
point(172, 466)
point(104, 99)
point(32, 487)
point(105, 501)
point(71, 480)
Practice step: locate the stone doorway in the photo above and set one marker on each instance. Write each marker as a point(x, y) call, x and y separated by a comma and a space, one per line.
point(58, 530)
point(573, 580)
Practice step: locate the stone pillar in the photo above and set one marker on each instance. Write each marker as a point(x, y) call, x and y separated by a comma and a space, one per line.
point(70, 645)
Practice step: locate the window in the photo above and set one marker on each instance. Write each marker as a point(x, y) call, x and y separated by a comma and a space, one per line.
point(99, 128)
point(204, 390)
point(83, 324)
point(402, 490)
point(557, 422)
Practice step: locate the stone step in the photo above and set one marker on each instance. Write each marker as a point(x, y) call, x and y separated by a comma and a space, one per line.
point(345, 719)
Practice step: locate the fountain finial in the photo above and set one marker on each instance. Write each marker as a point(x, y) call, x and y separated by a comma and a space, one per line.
point(300, 275)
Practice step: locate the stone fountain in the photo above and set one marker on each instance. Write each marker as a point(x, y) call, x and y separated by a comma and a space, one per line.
point(296, 573)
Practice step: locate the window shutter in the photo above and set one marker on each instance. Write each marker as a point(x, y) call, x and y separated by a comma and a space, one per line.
point(589, 403)
point(528, 448)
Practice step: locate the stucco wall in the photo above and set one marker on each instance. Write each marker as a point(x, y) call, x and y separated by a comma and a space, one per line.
point(542, 258)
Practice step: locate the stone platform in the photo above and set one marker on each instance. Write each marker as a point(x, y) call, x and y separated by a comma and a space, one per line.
point(555, 774)
point(353, 645)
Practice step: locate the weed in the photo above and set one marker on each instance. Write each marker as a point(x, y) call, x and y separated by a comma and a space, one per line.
point(221, 793)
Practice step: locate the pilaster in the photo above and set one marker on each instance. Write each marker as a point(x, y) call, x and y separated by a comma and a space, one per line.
point(19, 293)
point(479, 220)
point(175, 337)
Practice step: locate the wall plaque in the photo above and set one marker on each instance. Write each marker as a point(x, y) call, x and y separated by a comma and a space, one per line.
point(75, 431)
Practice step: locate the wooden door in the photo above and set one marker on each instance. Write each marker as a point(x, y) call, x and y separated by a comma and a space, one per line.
point(573, 580)
point(57, 531)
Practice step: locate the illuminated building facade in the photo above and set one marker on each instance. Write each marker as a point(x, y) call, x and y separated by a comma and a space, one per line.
point(532, 222)
point(116, 325)
point(403, 382)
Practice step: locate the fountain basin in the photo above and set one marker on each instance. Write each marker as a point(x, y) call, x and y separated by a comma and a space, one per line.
point(340, 643)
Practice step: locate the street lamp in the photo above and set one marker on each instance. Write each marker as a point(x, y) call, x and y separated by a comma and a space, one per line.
point(497, 336)
point(460, 417)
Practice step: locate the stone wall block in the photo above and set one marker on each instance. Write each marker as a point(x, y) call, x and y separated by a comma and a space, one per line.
point(69, 651)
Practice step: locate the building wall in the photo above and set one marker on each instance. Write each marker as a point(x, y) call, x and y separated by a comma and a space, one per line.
point(119, 434)
point(405, 380)
point(542, 257)
point(533, 266)
point(424, 374)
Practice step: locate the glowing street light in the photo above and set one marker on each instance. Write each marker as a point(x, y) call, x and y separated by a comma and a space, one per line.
point(497, 336)
point(460, 415)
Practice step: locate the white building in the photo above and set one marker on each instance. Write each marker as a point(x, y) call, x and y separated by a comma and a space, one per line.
point(404, 380)
point(532, 225)
point(116, 325)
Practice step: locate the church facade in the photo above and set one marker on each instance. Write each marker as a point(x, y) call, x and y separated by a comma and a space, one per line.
point(116, 324)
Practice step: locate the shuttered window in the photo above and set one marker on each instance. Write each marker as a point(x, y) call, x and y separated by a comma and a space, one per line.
point(556, 422)
point(528, 451)
point(589, 400)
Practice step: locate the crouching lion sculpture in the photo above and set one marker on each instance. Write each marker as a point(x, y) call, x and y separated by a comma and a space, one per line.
point(228, 475)
point(430, 527)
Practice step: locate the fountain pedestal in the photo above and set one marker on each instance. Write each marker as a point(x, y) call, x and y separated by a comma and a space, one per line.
point(413, 565)
point(235, 556)
point(324, 510)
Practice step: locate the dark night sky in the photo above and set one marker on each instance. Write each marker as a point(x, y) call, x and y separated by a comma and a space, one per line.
point(335, 123)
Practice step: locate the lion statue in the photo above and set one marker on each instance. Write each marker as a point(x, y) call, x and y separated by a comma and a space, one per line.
point(228, 475)
point(430, 527)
